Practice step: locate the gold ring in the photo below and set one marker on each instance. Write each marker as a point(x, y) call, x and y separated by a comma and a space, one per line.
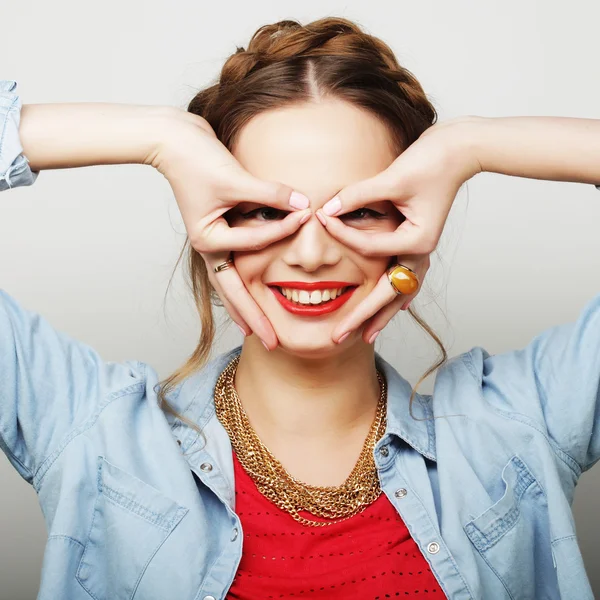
point(402, 279)
point(224, 265)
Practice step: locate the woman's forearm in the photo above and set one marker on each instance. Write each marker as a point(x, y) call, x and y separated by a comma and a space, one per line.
point(58, 136)
point(554, 148)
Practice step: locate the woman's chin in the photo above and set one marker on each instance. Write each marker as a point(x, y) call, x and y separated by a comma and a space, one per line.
point(306, 337)
point(316, 346)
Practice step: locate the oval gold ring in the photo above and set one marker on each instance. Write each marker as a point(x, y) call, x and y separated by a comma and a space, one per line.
point(402, 279)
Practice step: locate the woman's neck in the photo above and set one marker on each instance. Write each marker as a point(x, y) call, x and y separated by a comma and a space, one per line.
point(315, 401)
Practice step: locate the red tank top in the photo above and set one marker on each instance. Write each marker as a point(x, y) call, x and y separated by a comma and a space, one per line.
point(370, 556)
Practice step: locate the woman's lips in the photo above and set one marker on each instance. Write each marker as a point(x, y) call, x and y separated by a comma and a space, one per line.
point(312, 310)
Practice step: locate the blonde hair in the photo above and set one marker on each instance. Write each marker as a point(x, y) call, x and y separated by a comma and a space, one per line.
point(287, 63)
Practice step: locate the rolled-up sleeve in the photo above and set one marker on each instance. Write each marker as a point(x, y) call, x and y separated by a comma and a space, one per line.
point(50, 384)
point(14, 166)
point(555, 381)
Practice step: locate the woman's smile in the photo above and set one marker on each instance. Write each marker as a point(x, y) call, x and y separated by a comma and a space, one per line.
point(312, 299)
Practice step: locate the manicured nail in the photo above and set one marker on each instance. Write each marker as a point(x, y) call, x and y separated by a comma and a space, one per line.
point(332, 207)
point(405, 307)
point(343, 337)
point(267, 347)
point(305, 218)
point(321, 218)
point(298, 200)
point(372, 338)
point(241, 329)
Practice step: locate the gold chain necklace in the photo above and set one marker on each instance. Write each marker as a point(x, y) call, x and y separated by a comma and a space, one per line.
point(360, 489)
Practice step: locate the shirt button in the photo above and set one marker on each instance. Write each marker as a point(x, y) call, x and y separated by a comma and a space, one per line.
point(400, 493)
point(234, 534)
point(433, 548)
point(207, 468)
point(209, 598)
point(384, 451)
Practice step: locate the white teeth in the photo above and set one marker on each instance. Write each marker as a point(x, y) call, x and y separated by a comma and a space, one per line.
point(314, 297)
point(304, 297)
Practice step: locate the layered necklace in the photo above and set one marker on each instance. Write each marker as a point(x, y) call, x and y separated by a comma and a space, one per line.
point(336, 503)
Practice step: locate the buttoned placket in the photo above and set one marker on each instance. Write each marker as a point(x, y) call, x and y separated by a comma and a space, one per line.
point(208, 472)
point(416, 518)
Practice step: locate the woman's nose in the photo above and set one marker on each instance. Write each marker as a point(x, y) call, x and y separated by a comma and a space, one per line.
point(312, 246)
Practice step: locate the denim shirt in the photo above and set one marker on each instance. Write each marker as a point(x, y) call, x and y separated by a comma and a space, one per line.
point(139, 505)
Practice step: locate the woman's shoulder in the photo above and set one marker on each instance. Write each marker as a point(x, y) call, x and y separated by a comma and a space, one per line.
point(58, 385)
point(550, 385)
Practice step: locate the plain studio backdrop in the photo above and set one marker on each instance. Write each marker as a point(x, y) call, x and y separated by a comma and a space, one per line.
point(92, 249)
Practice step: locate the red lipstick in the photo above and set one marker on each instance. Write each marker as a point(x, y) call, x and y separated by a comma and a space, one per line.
point(312, 310)
point(314, 285)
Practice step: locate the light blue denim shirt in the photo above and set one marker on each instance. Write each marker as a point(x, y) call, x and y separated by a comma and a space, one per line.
point(138, 505)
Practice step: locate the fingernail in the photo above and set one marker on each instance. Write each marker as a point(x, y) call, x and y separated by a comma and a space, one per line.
point(372, 338)
point(298, 200)
point(241, 329)
point(321, 218)
point(305, 218)
point(343, 337)
point(332, 207)
point(263, 343)
point(405, 307)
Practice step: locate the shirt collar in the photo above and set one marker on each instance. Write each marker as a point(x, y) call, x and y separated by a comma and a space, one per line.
point(193, 398)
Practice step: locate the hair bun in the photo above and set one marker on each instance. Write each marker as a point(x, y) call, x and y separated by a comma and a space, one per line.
point(276, 68)
point(289, 39)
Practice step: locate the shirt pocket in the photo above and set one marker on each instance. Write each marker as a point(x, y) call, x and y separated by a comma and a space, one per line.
point(131, 521)
point(513, 536)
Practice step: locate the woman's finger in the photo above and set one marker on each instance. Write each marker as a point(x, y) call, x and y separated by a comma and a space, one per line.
point(381, 295)
point(235, 292)
point(356, 195)
point(241, 186)
point(386, 313)
point(221, 237)
point(382, 317)
point(229, 307)
point(407, 239)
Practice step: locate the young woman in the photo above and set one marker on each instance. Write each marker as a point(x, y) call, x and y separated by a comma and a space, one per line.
point(314, 182)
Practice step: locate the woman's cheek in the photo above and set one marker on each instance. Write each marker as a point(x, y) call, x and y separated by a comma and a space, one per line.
point(379, 266)
point(250, 266)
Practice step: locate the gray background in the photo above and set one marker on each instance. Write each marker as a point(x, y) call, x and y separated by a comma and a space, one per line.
point(92, 249)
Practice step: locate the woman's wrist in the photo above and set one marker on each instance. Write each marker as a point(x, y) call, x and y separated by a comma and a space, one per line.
point(459, 136)
point(67, 135)
point(547, 148)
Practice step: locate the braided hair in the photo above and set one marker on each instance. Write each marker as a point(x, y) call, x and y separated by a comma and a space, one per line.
point(287, 63)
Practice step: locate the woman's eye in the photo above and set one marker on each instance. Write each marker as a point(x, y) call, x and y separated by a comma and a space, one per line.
point(268, 213)
point(361, 214)
point(264, 213)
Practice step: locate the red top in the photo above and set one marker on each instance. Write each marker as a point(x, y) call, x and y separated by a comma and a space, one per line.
point(369, 556)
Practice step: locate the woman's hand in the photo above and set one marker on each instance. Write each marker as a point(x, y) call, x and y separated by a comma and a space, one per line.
point(207, 182)
point(422, 183)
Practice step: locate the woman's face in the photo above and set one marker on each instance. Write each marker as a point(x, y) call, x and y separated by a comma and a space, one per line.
point(317, 149)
